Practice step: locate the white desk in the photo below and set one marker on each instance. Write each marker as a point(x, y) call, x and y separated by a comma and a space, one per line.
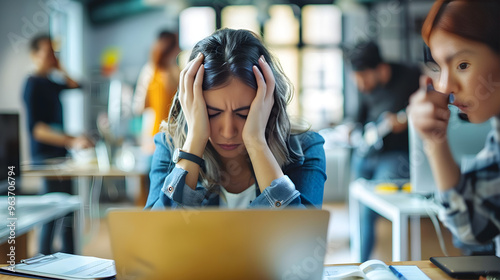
point(31, 211)
point(82, 172)
point(89, 192)
point(399, 208)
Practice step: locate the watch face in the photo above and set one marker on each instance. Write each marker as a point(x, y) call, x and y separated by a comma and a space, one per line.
point(175, 157)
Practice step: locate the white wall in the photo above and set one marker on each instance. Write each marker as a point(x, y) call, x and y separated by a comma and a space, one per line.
point(19, 21)
point(133, 36)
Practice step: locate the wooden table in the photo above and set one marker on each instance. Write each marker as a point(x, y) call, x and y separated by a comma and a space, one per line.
point(427, 267)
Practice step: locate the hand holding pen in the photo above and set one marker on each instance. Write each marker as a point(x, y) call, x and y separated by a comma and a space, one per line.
point(429, 111)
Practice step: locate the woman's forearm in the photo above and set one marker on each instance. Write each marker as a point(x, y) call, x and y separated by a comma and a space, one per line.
point(264, 163)
point(192, 146)
point(446, 172)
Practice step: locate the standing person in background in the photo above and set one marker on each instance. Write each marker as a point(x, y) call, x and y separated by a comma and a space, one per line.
point(45, 124)
point(464, 41)
point(385, 88)
point(156, 87)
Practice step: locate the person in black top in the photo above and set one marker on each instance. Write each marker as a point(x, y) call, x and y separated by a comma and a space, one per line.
point(383, 152)
point(45, 128)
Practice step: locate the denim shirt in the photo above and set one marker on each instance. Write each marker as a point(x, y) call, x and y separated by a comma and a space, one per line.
point(472, 208)
point(301, 186)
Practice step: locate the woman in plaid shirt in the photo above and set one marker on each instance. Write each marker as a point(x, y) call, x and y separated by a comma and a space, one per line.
point(464, 40)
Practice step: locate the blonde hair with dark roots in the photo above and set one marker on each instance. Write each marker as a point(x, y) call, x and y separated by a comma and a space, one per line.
point(232, 53)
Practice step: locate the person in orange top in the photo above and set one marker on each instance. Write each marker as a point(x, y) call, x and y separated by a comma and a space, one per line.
point(156, 86)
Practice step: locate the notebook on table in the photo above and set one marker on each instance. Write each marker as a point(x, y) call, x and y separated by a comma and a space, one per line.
point(218, 244)
point(63, 266)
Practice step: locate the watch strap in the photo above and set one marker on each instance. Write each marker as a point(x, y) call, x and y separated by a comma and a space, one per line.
point(192, 157)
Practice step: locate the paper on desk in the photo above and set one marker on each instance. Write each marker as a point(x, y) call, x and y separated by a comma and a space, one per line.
point(68, 266)
point(342, 272)
point(350, 272)
point(411, 272)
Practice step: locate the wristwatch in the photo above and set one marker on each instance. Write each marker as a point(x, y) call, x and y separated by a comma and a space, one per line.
point(179, 154)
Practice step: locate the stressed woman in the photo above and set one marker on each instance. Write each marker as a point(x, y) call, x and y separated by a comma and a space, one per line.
point(464, 41)
point(228, 141)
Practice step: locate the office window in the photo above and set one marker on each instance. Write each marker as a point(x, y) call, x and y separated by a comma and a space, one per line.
point(289, 60)
point(195, 24)
point(241, 17)
point(313, 63)
point(321, 68)
point(321, 25)
point(281, 35)
point(322, 96)
point(282, 28)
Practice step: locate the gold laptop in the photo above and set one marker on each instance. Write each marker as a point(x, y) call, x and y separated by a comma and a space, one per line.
point(218, 244)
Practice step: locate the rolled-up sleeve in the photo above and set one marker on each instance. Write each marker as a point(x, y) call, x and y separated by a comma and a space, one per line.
point(168, 188)
point(278, 195)
point(304, 180)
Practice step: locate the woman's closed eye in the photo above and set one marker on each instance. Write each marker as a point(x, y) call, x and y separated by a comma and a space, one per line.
point(243, 116)
point(213, 115)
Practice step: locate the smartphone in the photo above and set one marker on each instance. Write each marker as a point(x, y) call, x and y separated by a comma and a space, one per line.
point(468, 267)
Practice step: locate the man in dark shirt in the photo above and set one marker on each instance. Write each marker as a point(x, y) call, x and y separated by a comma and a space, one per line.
point(384, 154)
point(45, 127)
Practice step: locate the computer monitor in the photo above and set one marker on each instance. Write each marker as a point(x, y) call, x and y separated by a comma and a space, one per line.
point(465, 139)
point(9, 150)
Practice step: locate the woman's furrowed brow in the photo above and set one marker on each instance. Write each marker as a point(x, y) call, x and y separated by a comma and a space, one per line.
point(235, 110)
point(242, 108)
point(215, 109)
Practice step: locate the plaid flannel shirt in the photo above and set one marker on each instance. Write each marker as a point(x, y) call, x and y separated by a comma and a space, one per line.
point(472, 208)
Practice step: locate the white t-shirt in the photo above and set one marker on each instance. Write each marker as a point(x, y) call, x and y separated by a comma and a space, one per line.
point(237, 200)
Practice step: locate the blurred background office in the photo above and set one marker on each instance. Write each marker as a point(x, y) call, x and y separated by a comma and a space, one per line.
point(103, 44)
point(100, 42)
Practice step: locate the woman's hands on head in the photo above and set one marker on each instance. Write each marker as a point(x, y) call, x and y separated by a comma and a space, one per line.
point(429, 112)
point(254, 131)
point(266, 168)
point(194, 106)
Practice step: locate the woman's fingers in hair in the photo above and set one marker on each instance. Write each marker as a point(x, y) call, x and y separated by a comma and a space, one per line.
point(198, 82)
point(192, 69)
point(182, 75)
point(260, 109)
point(261, 83)
point(268, 76)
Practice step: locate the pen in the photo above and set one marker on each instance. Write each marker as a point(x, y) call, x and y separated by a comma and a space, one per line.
point(397, 273)
point(38, 258)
